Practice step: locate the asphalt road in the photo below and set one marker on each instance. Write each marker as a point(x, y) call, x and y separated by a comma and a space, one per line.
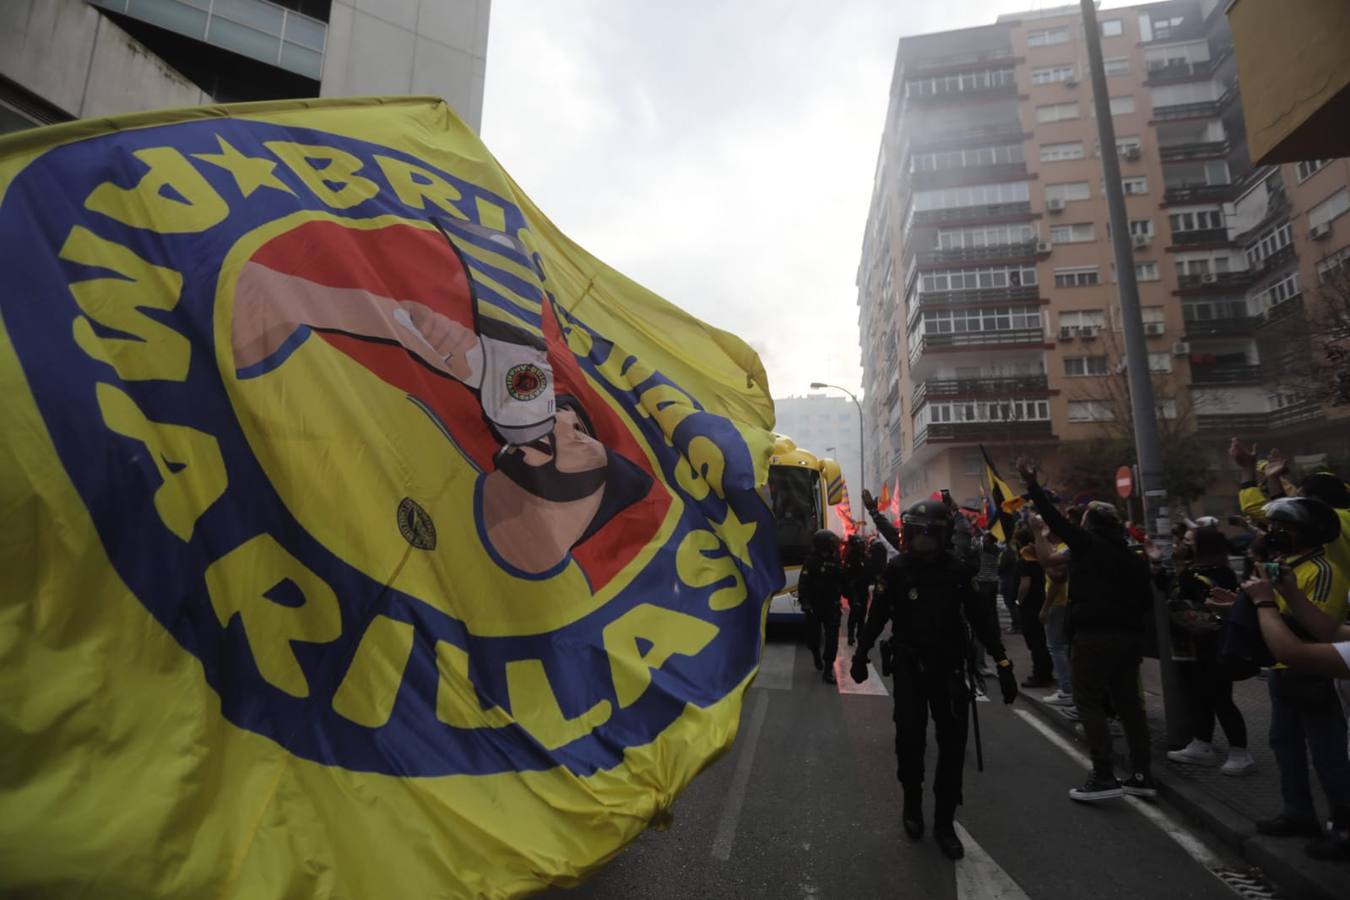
point(807, 805)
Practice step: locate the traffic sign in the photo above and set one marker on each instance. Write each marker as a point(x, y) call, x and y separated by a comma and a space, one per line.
point(1124, 482)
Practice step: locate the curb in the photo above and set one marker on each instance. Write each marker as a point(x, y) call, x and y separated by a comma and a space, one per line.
point(1283, 862)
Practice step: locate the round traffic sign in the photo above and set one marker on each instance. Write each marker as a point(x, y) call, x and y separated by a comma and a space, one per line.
point(1124, 481)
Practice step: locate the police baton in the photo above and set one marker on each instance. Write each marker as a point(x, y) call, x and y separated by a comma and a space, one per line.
point(974, 703)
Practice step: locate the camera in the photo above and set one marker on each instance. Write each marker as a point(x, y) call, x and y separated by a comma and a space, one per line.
point(1275, 570)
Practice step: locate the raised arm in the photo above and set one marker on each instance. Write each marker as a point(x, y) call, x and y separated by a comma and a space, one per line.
point(1077, 539)
point(884, 526)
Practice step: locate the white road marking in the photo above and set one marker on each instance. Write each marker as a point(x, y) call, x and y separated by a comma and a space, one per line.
point(740, 781)
point(875, 685)
point(776, 666)
point(1181, 835)
point(978, 877)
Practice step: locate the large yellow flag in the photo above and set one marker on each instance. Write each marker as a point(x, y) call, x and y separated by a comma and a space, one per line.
point(362, 536)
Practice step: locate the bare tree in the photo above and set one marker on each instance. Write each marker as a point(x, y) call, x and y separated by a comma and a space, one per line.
point(1317, 366)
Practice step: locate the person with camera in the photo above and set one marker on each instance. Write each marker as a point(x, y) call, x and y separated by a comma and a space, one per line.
point(1109, 595)
point(929, 596)
point(1305, 712)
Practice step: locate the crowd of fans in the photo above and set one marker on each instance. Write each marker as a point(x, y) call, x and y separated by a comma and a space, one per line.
point(1261, 595)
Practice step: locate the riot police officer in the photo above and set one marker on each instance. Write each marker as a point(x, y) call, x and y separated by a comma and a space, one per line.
point(929, 596)
point(857, 579)
point(819, 588)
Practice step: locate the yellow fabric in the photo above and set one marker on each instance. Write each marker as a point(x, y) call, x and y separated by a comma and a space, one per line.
point(259, 638)
point(1058, 591)
point(1253, 501)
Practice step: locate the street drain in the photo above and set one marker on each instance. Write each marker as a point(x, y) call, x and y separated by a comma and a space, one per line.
point(1249, 883)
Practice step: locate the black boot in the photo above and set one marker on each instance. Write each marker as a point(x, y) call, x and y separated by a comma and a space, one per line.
point(944, 831)
point(912, 815)
point(815, 657)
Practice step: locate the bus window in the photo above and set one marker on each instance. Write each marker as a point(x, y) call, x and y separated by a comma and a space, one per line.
point(794, 498)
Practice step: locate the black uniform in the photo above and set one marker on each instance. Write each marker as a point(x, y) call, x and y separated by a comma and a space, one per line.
point(932, 604)
point(820, 586)
point(857, 579)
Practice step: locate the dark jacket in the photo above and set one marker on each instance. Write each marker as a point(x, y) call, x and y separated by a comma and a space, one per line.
point(929, 605)
point(1109, 586)
point(821, 584)
point(857, 568)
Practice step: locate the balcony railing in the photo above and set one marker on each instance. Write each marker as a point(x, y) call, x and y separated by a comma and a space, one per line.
point(973, 339)
point(253, 28)
point(930, 299)
point(1203, 109)
point(1275, 260)
point(1255, 423)
point(941, 178)
point(956, 61)
point(1202, 236)
point(1212, 328)
point(1223, 374)
point(1179, 71)
point(1196, 150)
point(972, 432)
point(1002, 132)
point(987, 253)
point(1302, 411)
point(1198, 193)
point(1284, 310)
point(978, 387)
point(1215, 280)
point(971, 213)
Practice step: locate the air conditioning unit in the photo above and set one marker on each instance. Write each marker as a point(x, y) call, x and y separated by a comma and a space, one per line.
point(1141, 240)
point(1044, 246)
point(1089, 332)
point(1154, 328)
point(1068, 332)
point(1130, 153)
point(1054, 204)
point(1320, 232)
point(1181, 348)
point(1209, 278)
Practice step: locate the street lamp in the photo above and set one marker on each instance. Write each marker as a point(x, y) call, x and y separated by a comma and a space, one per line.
point(862, 456)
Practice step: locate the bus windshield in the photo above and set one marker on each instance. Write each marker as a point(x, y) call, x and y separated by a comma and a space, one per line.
point(793, 497)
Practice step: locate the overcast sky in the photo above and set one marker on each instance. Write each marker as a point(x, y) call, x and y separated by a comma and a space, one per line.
point(720, 152)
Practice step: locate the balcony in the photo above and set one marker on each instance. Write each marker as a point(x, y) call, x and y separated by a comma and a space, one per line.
point(1198, 193)
point(1256, 423)
point(915, 302)
point(1215, 281)
point(974, 339)
point(1218, 328)
point(1225, 374)
point(947, 388)
point(985, 254)
point(1201, 236)
point(976, 432)
point(996, 133)
point(956, 62)
point(253, 28)
point(1284, 311)
point(1203, 109)
point(980, 93)
point(968, 175)
point(1275, 261)
point(1180, 71)
point(988, 212)
point(1196, 150)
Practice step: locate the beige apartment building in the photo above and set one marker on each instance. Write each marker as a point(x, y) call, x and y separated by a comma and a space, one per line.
point(988, 306)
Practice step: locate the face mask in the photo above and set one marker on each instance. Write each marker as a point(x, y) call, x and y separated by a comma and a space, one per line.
point(1279, 541)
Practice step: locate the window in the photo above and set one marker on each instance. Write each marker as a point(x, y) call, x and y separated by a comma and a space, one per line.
point(1061, 152)
point(971, 195)
point(1057, 112)
point(967, 158)
point(1084, 366)
point(1160, 362)
point(1133, 187)
point(1332, 264)
point(966, 321)
point(1268, 244)
point(1068, 190)
point(1209, 310)
point(1199, 219)
point(1286, 288)
point(1143, 227)
point(1184, 94)
point(958, 82)
point(1119, 65)
point(1052, 74)
point(1073, 234)
point(1204, 263)
point(1306, 168)
point(985, 236)
point(1167, 409)
point(1146, 271)
point(1122, 105)
point(1077, 276)
point(983, 411)
point(1090, 411)
point(1329, 208)
point(1189, 53)
point(976, 279)
point(1083, 318)
point(1112, 27)
point(1127, 145)
point(1047, 37)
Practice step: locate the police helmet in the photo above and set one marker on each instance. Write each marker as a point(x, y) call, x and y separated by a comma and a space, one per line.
point(1313, 520)
point(931, 517)
point(824, 541)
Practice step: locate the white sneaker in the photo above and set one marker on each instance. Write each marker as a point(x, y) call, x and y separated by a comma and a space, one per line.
point(1058, 698)
point(1239, 762)
point(1196, 753)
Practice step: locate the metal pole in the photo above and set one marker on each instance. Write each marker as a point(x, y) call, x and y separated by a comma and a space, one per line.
point(1142, 406)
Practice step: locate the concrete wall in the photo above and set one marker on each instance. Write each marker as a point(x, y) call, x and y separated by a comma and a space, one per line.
point(436, 47)
point(75, 58)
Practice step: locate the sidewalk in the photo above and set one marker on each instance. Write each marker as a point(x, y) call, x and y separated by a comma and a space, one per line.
point(1226, 806)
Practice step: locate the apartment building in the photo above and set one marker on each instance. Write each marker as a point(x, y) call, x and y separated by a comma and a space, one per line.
point(68, 59)
point(827, 426)
point(988, 304)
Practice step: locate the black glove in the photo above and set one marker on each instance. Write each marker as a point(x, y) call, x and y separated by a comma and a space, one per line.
point(1007, 681)
point(858, 669)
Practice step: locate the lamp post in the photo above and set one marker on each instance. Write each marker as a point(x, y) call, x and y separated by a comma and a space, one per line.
point(862, 457)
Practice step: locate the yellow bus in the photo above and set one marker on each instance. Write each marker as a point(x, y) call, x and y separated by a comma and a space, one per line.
point(801, 489)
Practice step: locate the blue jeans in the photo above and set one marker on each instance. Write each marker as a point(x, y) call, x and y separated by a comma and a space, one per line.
point(1059, 647)
point(1313, 726)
